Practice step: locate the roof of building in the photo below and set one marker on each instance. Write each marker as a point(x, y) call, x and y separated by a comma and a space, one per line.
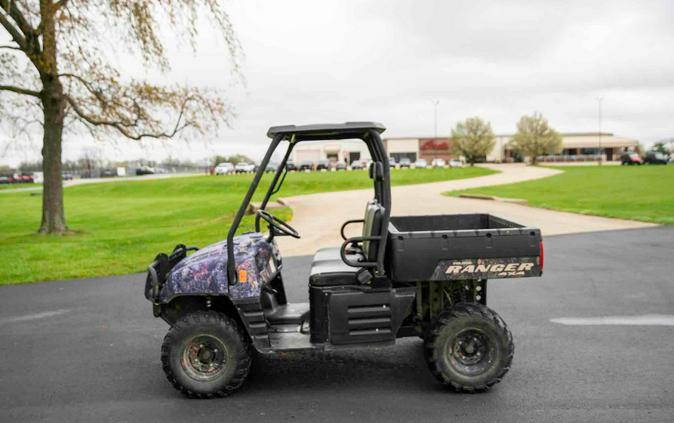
point(325, 131)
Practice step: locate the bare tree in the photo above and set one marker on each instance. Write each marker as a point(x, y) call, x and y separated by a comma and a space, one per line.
point(535, 137)
point(54, 70)
point(473, 138)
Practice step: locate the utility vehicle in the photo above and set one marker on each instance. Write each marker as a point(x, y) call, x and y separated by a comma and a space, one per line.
point(421, 276)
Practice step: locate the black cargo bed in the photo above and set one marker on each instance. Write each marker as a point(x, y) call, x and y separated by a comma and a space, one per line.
point(461, 246)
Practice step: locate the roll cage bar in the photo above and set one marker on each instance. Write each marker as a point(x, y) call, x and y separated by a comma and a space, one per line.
point(368, 132)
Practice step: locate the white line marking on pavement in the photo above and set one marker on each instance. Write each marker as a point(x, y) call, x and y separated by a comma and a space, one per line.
point(35, 316)
point(644, 320)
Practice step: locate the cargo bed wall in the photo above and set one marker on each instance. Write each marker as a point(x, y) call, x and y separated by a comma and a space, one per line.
point(466, 246)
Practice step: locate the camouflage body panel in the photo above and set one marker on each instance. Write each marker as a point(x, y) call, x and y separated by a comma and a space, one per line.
point(205, 271)
point(487, 268)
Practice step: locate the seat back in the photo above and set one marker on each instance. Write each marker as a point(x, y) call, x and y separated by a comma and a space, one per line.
point(372, 227)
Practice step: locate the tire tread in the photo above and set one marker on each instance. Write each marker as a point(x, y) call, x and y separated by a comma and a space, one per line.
point(466, 310)
point(242, 358)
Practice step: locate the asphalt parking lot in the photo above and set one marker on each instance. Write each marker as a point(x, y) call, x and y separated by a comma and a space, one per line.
point(88, 350)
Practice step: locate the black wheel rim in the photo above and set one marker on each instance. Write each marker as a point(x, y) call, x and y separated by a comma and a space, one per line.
point(470, 352)
point(205, 358)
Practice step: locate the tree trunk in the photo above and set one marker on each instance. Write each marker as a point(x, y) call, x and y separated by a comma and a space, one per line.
point(53, 216)
point(53, 108)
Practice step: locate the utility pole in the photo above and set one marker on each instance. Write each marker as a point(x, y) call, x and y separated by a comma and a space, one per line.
point(599, 101)
point(435, 118)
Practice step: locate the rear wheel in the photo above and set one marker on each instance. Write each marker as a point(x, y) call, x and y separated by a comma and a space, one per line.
point(205, 355)
point(469, 347)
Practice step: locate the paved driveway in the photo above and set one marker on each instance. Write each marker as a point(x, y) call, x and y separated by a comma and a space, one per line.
point(311, 212)
point(88, 350)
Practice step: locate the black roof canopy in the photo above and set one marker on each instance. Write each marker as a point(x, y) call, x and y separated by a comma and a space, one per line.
point(325, 131)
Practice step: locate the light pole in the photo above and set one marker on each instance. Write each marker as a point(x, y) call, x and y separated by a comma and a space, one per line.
point(599, 101)
point(435, 118)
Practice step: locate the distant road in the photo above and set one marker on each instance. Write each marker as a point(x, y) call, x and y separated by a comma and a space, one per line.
point(106, 180)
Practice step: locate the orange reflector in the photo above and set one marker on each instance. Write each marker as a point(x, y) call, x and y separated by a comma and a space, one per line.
point(243, 276)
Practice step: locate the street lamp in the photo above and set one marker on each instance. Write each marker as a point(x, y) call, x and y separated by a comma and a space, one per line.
point(435, 118)
point(599, 101)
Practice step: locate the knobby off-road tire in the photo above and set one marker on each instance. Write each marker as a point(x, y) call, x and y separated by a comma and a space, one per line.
point(206, 355)
point(469, 347)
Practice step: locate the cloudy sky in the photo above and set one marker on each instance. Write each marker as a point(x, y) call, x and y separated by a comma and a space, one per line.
point(388, 61)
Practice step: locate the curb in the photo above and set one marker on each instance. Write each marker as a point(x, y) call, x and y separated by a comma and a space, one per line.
point(492, 198)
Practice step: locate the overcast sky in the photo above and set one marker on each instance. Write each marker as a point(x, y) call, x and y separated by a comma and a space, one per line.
point(388, 61)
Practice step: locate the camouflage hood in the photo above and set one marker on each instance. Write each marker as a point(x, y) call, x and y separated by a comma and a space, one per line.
point(205, 271)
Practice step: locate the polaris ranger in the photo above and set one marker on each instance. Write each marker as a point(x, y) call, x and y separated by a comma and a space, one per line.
point(423, 276)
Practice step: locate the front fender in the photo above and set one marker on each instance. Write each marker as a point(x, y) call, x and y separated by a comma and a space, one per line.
point(204, 273)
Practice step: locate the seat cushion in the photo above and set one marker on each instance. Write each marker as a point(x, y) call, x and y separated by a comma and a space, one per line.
point(328, 269)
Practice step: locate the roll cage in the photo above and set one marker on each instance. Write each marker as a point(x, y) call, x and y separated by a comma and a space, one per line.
point(368, 132)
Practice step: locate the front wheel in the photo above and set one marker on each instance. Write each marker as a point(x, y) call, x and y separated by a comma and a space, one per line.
point(469, 347)
point(205, 355)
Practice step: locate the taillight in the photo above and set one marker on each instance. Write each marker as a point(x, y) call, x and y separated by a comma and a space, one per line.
point(542, 257)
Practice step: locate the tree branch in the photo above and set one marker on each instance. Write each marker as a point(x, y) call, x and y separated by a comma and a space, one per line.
point(20, 90)
point(124, 129)
point(18, 17)
point(13, 31)
point(59, 4)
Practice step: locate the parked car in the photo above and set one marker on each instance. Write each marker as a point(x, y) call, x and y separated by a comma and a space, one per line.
point(307, 165)
point(67, 176)
point(455, 163)
point(340, 166)
point(630, 158)
point(108, 173)
point(438, 163)
point(144, 170)
point(224, 168)
point(392, 162)
point(654, 157)
point(244, 167)
point(357, 165)
point(271, 167)
point(6, 179)
point(323, 165)
point(24, 178)
point(421, 164)
point(290, 165)
point(405, 162)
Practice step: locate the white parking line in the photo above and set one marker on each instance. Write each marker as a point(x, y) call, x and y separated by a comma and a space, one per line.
point(643, 320)
point(35, 316)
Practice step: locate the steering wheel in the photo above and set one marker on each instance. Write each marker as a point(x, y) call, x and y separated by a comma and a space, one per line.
point(277, 226)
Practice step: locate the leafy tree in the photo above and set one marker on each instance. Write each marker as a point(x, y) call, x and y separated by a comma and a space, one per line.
point(535, 137)
point(473, 138)
point(54, 70)
point(661, 146)
point(233, 159)
point(29, 166)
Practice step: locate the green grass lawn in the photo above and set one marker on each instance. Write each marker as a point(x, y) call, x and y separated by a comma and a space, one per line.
point(119, 227)
point(630, 192)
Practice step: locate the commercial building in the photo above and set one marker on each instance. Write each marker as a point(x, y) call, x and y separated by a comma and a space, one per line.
point(582, 146)
point(346, 151)
point(576, 147)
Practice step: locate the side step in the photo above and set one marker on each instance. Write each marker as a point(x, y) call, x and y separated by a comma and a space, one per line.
point(292, 341)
